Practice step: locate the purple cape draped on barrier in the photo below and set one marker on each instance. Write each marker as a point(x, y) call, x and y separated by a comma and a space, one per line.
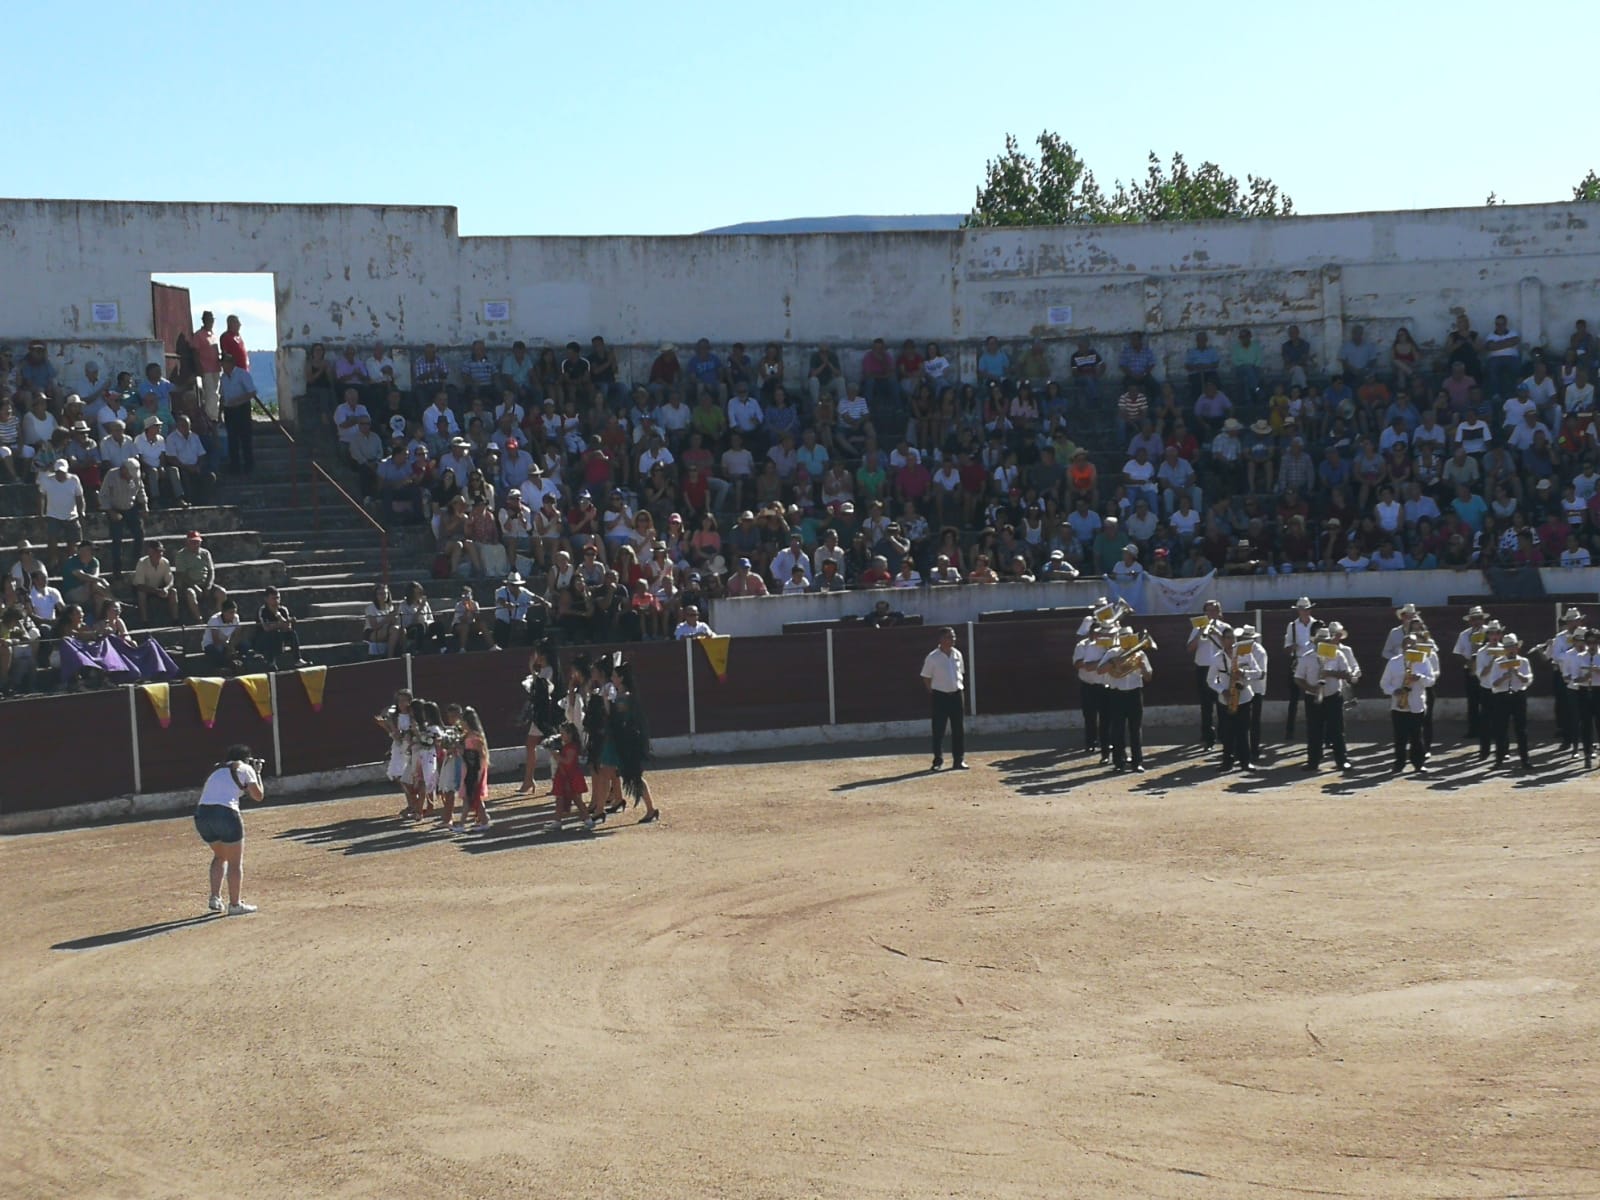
point(121, 659)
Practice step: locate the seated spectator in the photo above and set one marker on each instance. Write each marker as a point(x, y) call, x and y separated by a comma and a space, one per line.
point(380, 624)
point(469, 625)
point(1201, 364)
point(1137, 363)
point(195, 576)
point(153, 579)
point(226, 639)
point(275, 632)
point(745, 582)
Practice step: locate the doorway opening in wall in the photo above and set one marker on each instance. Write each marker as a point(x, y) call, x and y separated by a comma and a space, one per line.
point(178, 299)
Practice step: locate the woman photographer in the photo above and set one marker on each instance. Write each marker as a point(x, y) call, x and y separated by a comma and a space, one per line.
point(217, 820)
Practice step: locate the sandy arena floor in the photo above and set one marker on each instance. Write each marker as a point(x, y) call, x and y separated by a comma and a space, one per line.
point(834, 978)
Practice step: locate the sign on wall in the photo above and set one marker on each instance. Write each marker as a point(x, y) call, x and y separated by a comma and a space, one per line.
point(105, 312)
point(1058, 314)
point(497, 311)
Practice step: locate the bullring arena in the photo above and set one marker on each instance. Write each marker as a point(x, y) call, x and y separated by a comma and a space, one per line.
point(830, 976)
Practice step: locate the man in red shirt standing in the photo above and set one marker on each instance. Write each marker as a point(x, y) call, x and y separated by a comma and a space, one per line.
point(233, 344)
point(208, 361)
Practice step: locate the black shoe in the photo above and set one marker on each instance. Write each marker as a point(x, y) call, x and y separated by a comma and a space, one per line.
point(1308, 766)
point(960, 766)
point(653, 815)
point(937, 763)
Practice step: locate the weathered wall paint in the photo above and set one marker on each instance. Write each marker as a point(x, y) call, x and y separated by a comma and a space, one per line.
point(353, 273)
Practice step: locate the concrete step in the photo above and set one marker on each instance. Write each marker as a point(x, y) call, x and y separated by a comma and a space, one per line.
point(187, 639)
point(164, 522)
point(244, 545)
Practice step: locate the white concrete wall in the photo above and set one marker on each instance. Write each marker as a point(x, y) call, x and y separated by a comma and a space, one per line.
point(752, 617)
point(348, 273)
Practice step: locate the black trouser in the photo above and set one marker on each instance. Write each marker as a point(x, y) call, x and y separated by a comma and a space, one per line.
point(1427, 721)
point(1125, 729)
point(1315, 730)
point(1333, 728)
point(241, 437)
point(1295, 696)
point(1566, 714)
point(272, 642)
point(130, 526)
point(1208, 706)
point(1233, 731)
point(508, 633)
point(1511, 712)
point(1407, 738)
point(947, 711)
point(1093, 696)
point(1586, 707)
point(1475, 705)
point(1256, 706)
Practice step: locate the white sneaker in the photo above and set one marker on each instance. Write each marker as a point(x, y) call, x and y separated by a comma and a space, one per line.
point(239, 910)
point(214, 904)
point(458, 827)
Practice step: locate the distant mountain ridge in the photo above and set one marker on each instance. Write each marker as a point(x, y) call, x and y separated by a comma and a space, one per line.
point(857, 224)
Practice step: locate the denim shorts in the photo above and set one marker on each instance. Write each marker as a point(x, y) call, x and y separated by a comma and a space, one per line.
point(218, 823)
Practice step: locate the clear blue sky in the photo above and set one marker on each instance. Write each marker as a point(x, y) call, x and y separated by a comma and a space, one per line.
point(627, 117)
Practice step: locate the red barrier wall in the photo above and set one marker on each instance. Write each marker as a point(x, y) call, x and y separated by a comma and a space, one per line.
point(60, 750)
point(773, 683)
point(343, 733)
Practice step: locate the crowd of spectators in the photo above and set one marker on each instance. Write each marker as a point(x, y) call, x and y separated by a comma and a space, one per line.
point(732, 474)
point(122, 447)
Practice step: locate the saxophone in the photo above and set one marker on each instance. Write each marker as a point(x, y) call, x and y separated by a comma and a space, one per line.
point(1235, 683)
point(1403, 695)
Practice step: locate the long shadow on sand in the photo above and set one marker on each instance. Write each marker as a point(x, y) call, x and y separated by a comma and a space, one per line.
point(883, 780)
point(95, 941)
point(520, 823)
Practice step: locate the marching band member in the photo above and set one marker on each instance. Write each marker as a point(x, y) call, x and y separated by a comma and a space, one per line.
point(1298, 641)
point(1403, 616)
point(1326, 674)
point(1426, 643)
point(1468, 642)
point(1508, 680)
point(1086, 626)
point(1483, 661)
point(1125, 675)
point(1581, 669)
point(1405, 678)
point(1555, 650)
point(1233, 680)
point(1204, 644)
point(1086, 656)
point(1250, 643)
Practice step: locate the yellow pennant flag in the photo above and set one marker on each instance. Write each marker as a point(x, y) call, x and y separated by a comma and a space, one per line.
point(315, 680)
point(716, 650)
point(160, 695)
point(259, 689)
point(208, 694)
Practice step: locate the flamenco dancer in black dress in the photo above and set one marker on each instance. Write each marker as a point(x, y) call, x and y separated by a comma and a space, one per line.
point(626, 750)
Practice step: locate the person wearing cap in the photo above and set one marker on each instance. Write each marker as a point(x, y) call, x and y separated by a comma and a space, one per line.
point(1468, 642)
point(195, 574)
point(153, 579)
point(1128, 569)
point(1580, 667)
point(1483, 661)
point(159, 473)
point(1122, 707)
point(1555, 652)
point(1055, 569)
point(1509, 677)
point(125, 503)
point(1205, 645)
point(61, 504)
point(1298, 641)
point(745, 582)
point(1233, 679)
point(1404, 615)
point(1326, 683)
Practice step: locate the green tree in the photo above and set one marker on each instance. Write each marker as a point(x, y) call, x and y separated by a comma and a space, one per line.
point(1588, 189)
point(1053, 189)
point(1058, 188)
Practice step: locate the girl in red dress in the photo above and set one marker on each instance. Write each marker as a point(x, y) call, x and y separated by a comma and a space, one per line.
point(568, 784)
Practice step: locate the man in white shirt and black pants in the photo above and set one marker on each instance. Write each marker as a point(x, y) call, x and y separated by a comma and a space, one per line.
point(1325, 679)
point(1203, 645)
point(1298, 641)
point(944, 675)
point(1406, 684)
point(1509, 678)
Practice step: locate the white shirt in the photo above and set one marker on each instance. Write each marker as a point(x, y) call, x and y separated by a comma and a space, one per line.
point(744, 415)
point(1133, 680)
point(352, 413)
point(1484, 662)
point(1575, 662)
point(1514, 408)
point(219, 631)
point(1467, 642)
point(114, 453)
point(511, 604)
point(1423, 677)
point(186, 448)
point(431, 417)
point(377, 366)
point(946, 671)
point(1320, 674)
point(697, 629)
point(150, 452)
point(1206, 651)
point(63, 498)
point(649, 459)
point(45, 602)
point(1510, 675)
point(221, 788)
point(785, 561)
point(1220, 678)
point(1298, 636)
point(1085, 655)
